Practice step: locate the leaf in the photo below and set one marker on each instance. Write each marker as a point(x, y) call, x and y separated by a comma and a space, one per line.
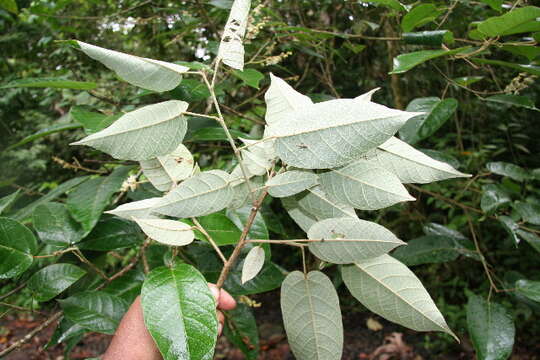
point(43, 133)
point(530, 52)
point(241, 330)
point(531, 69)
point(55, 226)
point(9, 5)
point(362, 240)
point(531, 238)
point(7, 201)
point(27, 211)
point(514, 100)
point(53, 280)
point(215, 134)
point(423, 126)
point(317, 204)
point(507, 169)
point(418, 16)
point(493, 197)
point(529, 212)
point(138, 209)
point(258, 158)
point(250, 77)
point(325, 135)
point(491, 329)
point(164, 172)
point(253, 263)
point(405, 62)
point(180, 313)
point(529, 289)
point(359, 186)
point(281, 100)
point(388, 288)
point(146, 73)
point(290, 183)
point(516, 21)
point(90, 120)
point(463, 245)
point(301, 217)
point(467, 80)
point(50, 82)
point(409, 164)
point(222, 230)
point(94, 310)
point(202, 194)
point(242, 195)
point(111, 234)
point(148, 132)
point(494, 4)
point(268, 279)
point(87, 201)
point(511, 228)
point(312, 316)
point(231, 49)
point(128, 286)
point(168, 232)
point(17, 244)
point(427, 250)
point(258, 229)
point(392, 4)
point(436, 37)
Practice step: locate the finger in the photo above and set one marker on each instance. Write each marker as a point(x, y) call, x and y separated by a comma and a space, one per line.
point(221, 321)
point(215, 292)
point(226, 301)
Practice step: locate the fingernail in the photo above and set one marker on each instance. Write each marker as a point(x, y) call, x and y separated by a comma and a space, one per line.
point(215, 291)
point(219, 328)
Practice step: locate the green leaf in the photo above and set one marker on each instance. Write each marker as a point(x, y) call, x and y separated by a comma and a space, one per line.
point(388, 288)
point(222, 230)
point(55, 83)
point(507, 169)
point(516, 21)
point(467, 80)
point(253, 263)
point(530, 52)
point(529, 212)
point(461, 243)
point(53, 280)
point(405, 62)
point(531, 69)
point(436, 37)
point(111, 234)
point(494, 4)
point(92, 121)
point(493, 197)
point(45, 132)
point(268, 279)
point(7, 201)
point(427, 250)
point(359, 186)
point(55, 226)
point(241, 330)
point(529, 289)
point(215, 134)
point(9, 5)
point(392, 4)
point(180, 313)
point(87, 202)
point(166, 171)
point(362, 240)
point(258, 228)
point(27, 211)
point(250, 77)
point(511, 227)
point(148, 132)
point(290, 183)
point(146, 73)
point(312, 316)
point(514, 100)
point(531, 238)
point(491, 328)
point(231, 49)
point(418, 16)
point(168, 232)
point(423, 126)
point(94, 310)
point(199, 195)
point(17, 245)
point(127, 287)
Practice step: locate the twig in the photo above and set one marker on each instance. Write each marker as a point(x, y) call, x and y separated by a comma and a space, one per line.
point(76, 166)
point(56, 253)
point(210, 240)
point(13, 291)
point(201, 115)
point(20, 308)
point(81, 257)
point(242, 115)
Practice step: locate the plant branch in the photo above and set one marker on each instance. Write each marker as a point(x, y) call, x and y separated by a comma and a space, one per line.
point(210, 240)
point(13, 291)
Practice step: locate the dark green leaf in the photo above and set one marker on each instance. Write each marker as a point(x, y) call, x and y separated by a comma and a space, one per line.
point(507, 169)
point(491, 329)
point(493, 197)
point(95, 310)
point(87, 201)
point(530, 52)
point(531, 69)
point(241, 330)
point(427, 250)
point(516, 21)
point(529, 289)
point(128, 286)
point(436, 37)
point(514, 100)
point(443, 157)
point(53, 279)
point(529, 212)
point(220, 228)
point(112, 233)
point(405, 62)
point(461, 243)
point(511, 227)
point(494, 4)
point(92, 121)
point(467, 80)
point(65, 331)
point(179, 312)
point(258, 229)
point(532, 239)
point(7, 201)
point(55, 226)
point(215, 134)
point(269, 278)
point(250, 77)
point(9, 5)
point(392, 4)
point(17, 245)
point(190, 90)
point(55, 83)
point(418, 16)
point(45, 132)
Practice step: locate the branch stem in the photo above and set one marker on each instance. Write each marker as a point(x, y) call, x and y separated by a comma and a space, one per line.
point(210, 240)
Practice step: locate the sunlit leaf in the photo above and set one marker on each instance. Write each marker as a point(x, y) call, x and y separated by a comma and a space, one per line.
point(418, 16)
point(168, 232)
point(253, 263)
point(231, 48)
point(166, 171)
point(516, 21)
point(53, 279)
point(290, 183)
point(405, 62)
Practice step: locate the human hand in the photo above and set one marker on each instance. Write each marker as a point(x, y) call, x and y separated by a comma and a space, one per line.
point(132, 341)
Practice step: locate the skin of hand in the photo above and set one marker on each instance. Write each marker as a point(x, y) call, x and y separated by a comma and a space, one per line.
point(132, 341)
